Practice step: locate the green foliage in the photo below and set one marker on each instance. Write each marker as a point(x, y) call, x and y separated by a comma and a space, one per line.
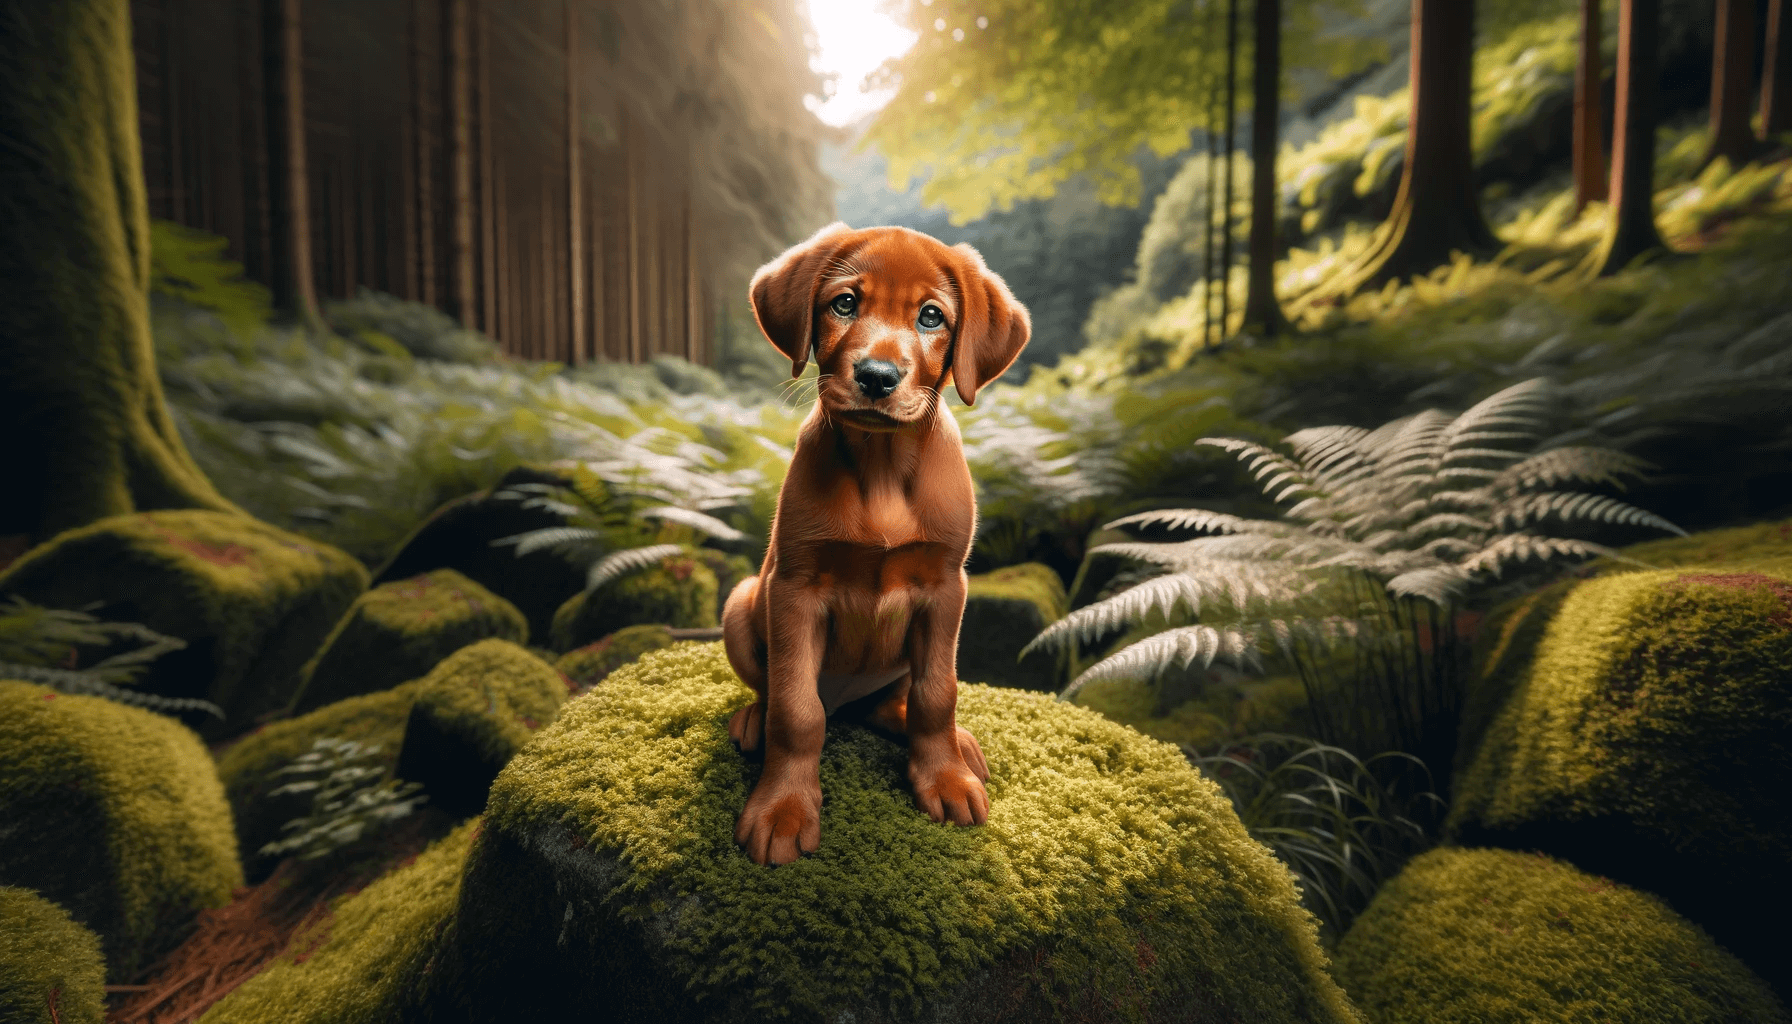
point(1496, 937)
point(423, 331)
point(666, 585)
point(349, 794)
point(51, 971)
point(1343, 825)
point(1000, 102)
point(589, 665)
point(1100, 845)
point(114, 813)
point(370, 964)
point(189, 265)
point(44, 645)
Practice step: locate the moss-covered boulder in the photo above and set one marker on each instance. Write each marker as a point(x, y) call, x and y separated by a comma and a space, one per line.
point(459, 536)
point(1113, 882)
point(51, 971)
point(679, 591)
point(485, 698)
point(1501, 937)
point(399, 631)
point(1003, 611)
point(472, 714)
point(1639, 726)
point(588, 665)
point(376, 953)
point(252, 602)
point(116, 814)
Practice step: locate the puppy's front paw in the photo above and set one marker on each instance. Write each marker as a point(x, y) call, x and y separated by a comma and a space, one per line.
point(973, 754)
point(950, 792)
point(782, 821)
point(747, 726)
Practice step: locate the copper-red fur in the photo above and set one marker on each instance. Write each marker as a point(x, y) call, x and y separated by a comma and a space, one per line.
point(865, 570)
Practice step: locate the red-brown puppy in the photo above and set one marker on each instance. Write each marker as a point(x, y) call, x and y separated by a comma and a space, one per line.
point(863, 584)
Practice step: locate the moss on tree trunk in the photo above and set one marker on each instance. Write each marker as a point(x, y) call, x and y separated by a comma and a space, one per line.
point(84, 432)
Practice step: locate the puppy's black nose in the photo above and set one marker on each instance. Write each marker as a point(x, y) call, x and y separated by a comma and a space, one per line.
point(876, 378)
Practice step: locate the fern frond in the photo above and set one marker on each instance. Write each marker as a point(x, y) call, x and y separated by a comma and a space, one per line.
point(1577, 464)
point(1090, 622)
point(1520, 408)
point(1571, 507)
point(1155, 653)
point(621, 563)
point(1524, 547)
point(550, 537)
point(1439, 584)
point(1200, 519)
point(696, 520)
point(82, 683)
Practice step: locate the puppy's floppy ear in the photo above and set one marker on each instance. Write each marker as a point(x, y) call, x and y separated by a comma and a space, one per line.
point(992, 327)
point(783, 293)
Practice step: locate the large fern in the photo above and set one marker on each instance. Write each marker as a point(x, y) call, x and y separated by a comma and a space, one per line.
point(45, 645)
point(1384, 533)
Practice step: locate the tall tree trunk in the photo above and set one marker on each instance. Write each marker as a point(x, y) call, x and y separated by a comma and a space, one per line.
point(575, 250)
point(1632, 230)
point(290, 188)
point(251, 90)
point(1231, 152)
point(1589, 112)
point(423, 141)
point(1732, 83)
point(1437, 211)
point(1262, 313)
point(81, 408)
point(460, 164)
point(488, 222)
point(632, 210)
point(1776, 75)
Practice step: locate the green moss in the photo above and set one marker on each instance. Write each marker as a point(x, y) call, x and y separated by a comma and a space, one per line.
point(1757, 543)
point(252, 601)
point(116, 814)
point(588, 665)
point(1205, 716)
point(378, 949)
point(1003, 611)
point(50, 967)
point(491, 695)
point(1498, 937)
point(679, 592)
point(1664, 697)
point(399, 631)
point(1112, 881)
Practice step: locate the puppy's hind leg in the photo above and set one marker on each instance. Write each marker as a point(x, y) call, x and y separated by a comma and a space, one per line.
point(746, 653)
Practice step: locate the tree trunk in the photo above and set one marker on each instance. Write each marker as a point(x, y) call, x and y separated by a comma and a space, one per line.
point(1589, 112)
point(1732, 83)
point(1262, 313)
point(1231, 152)
point(289, 190)
point(460, 164)
point(424, 199)
point(1437, 211)
point(1632, 230)
point(575, 265)
point(1776, 79)
point(488, 225)
point(87, 433)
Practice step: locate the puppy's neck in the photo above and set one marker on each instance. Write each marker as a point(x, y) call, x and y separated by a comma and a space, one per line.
point(878, 456)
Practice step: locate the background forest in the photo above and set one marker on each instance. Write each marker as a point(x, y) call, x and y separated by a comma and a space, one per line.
point(1377, 347)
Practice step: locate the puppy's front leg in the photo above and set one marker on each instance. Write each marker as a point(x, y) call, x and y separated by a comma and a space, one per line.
point(945, 786)
point(782, 819)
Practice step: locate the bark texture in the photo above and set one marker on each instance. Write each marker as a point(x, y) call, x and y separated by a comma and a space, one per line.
point(1632, 230)
point(1589, 112)
point(289, 182)
point(1733, 83)
point(87, 432)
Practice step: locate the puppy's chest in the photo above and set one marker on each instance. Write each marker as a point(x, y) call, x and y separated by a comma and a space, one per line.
point(877, 513)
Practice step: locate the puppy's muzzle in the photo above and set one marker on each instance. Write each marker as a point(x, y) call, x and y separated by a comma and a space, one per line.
point(876, 378)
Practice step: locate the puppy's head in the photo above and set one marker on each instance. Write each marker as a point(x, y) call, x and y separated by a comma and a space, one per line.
point(889, 314)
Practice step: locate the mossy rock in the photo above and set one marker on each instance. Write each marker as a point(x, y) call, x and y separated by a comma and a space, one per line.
point(472, 714)
point(1112, 882)
point(493, 678)
point(679, 592)
point(116, 814)
point(51, 971)
point(459, 536)
point(377, 950)
point(1640, 726)
point(1003, 611)
point(729, 569)
point(589, 665)
point(1501, 937)
point(1206, 714)
point(252, 602)
point(399, 631)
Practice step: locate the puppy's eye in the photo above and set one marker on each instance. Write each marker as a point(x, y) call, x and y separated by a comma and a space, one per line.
point(931, 317)
point(844, 305)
